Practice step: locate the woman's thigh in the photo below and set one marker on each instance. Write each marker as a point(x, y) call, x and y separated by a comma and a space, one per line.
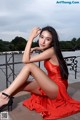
point(31, 86)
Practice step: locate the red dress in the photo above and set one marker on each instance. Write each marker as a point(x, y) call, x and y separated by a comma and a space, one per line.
point(62, 106)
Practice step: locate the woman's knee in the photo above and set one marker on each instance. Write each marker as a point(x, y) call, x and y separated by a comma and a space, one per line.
point(52, 94)
point(27, 66)
point(31, 66)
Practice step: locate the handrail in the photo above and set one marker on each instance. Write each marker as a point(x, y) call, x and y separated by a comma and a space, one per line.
point(9, 61)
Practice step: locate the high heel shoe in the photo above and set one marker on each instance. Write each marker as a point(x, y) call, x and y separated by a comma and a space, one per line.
point(9, 104)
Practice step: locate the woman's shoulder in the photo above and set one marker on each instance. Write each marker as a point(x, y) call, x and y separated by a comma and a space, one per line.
point(51, 50)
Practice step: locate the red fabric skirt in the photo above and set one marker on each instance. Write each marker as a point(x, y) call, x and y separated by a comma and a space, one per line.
point(60, 107)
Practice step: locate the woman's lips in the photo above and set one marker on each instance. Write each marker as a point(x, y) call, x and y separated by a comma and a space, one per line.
point(42, 45)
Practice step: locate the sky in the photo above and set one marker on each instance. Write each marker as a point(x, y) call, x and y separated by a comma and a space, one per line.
point(18, 17)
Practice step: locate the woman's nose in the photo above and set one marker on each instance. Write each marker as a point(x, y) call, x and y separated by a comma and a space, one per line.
point(43, 41)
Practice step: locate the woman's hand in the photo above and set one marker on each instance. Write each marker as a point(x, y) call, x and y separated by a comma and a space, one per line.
point(35, 32)
point(35, 49)
point(32, 50)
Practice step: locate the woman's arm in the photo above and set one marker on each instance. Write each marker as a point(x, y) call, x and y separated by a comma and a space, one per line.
point(26, 56)
point(47, 54)
point(35, 48)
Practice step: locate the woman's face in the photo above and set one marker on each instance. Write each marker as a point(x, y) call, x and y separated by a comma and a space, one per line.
point(45, 40)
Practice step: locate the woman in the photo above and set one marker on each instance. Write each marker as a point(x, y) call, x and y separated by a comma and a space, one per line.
point(49, 92)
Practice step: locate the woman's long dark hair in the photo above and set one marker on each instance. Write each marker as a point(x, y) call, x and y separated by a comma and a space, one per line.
point(55, 44)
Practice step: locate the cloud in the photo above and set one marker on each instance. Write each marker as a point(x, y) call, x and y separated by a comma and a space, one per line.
point(17, 18)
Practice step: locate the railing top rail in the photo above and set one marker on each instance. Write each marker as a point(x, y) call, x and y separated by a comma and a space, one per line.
point(11, 63)
point(11, 52)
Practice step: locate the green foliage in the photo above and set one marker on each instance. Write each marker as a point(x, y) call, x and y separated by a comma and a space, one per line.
point(34, 44)
point(74, 44)
point(78, 44)
point(19, 43)
point(4, 46)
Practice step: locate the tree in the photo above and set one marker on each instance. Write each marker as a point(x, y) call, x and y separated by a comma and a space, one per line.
point(4, 45)
point(78, 44)
point(19, 43)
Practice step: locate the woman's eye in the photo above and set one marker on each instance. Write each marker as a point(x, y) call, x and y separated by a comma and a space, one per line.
point(48, 39)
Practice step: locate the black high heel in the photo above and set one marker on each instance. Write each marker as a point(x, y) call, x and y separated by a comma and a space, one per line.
point(9, 104)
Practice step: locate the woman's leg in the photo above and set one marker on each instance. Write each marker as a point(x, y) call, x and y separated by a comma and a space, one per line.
point(29, 86)
point(50, 87)
point(40, 76)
